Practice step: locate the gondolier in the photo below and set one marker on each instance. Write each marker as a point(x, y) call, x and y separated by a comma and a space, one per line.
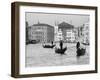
point(61, 44)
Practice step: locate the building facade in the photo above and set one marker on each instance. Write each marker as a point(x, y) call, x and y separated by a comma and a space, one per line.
point(70, 36)
point(56, 34)
point(68, 32)
point(41, 32)
point(60, 35)
point(83, 33)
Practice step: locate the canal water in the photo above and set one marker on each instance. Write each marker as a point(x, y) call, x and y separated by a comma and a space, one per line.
point(37, 56)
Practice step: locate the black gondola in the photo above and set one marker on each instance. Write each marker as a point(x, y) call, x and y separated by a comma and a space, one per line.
point(60, 51)
point(80, 52)
point(48, 46)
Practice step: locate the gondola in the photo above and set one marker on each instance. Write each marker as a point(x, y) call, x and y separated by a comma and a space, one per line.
point(48, 46)
point(60, 51)
point(80, 51)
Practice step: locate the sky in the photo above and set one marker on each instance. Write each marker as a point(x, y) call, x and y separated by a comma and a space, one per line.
point(52, 19)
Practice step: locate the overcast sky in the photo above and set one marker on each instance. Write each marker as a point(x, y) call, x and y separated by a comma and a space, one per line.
point(51, 19)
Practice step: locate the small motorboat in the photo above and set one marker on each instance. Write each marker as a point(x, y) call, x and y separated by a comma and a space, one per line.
point(60, 51)
point(80, 51)
point(85, 43)
point(48, 46)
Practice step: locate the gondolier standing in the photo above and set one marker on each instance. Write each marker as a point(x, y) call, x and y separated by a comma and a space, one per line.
point(61, 44)
point(77, 45)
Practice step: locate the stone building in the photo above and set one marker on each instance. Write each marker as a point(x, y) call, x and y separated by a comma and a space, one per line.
point(68, 32)
point(41, 32)
point(85, 33)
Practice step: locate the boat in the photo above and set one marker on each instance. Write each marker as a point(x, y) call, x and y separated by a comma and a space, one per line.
point(60, 51)
point(48, 46)
point(85, 43)
point(32, 41)
point(81, 51)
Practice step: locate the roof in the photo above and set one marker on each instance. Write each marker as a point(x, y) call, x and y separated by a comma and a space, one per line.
point(65, 25)
point(43, 24)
